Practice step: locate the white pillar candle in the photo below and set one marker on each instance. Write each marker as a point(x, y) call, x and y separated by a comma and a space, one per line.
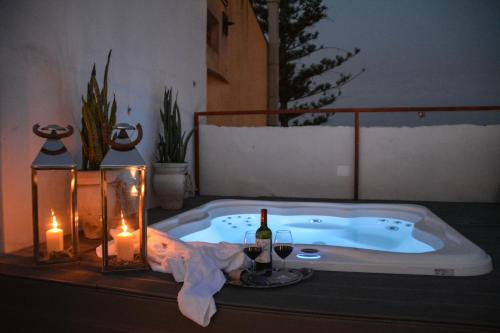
point(54, 237)
point(125, 244)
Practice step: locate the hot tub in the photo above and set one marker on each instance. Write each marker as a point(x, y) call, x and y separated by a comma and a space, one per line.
point(375, 238)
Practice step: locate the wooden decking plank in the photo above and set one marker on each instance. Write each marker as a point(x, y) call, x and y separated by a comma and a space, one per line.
point(366, 301)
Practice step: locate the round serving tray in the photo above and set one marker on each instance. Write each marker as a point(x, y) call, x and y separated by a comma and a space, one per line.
point(276, 279)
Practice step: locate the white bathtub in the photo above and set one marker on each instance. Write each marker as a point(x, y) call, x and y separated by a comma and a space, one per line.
point(376, 238)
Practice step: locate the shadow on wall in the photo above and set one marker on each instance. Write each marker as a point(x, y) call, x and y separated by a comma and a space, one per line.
point(38, 90)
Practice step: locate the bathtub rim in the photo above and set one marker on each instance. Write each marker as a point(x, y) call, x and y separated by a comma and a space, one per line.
point(458, 256)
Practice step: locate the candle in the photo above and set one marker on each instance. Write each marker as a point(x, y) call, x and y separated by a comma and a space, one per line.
point(125, 243)
point(54, 236)
point(133, 191)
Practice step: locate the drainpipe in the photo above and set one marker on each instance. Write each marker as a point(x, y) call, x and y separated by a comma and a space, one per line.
point(273, 99)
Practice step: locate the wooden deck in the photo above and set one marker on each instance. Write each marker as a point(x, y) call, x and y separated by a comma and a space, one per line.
point(77, 297)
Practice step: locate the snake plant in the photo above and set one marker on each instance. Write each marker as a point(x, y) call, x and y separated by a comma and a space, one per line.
point(172, 145)
point(96, 118)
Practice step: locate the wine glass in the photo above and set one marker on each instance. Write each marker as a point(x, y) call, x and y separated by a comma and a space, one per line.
point(283, 245)
point(251, 249)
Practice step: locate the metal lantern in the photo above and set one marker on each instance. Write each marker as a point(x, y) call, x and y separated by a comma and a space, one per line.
point(53, 185)
point(123, 189)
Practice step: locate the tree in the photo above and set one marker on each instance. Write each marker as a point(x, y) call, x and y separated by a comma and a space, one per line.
point(300, 84)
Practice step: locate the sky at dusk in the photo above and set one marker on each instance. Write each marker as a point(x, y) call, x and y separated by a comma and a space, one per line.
point(416, 53)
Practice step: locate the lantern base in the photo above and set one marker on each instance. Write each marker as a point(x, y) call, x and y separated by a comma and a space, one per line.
point(58, 257)
point(115, 265)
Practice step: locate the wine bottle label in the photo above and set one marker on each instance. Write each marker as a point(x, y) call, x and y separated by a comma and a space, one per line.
point(265, 255)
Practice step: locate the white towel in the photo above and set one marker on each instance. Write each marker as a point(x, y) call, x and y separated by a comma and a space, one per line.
point(197, 264)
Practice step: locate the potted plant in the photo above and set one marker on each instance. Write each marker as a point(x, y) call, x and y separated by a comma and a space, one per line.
point(96, 116)
point(169, 178)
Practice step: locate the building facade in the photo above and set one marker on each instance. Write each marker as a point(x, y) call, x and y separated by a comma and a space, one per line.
point(236, 62)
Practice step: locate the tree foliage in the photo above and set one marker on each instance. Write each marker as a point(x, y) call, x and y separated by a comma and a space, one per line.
point(300, 84)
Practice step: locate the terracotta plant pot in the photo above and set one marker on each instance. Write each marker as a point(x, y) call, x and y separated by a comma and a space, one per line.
point(89, 203)
point(169, 182)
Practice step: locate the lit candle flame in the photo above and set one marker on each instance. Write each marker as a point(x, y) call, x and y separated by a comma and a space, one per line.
point(124, 225)
point(133, 191)
point(133, 172)
point(54, 221)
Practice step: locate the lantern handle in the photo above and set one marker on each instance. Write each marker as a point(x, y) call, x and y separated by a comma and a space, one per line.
point(122, 135)
point(53, 131)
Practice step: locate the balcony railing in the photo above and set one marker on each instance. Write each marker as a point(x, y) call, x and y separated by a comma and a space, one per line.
point(356, 114)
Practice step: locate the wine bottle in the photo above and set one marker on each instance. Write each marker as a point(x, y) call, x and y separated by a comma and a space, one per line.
point(264, 236)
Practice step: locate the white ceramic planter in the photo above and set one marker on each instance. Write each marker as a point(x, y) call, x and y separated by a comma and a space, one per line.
point(169, 182)
point(89, 203)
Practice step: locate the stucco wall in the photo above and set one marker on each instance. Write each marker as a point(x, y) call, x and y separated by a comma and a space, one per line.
point(237, 77)
point(47, 49)
point(434, 163)
point(431, 163)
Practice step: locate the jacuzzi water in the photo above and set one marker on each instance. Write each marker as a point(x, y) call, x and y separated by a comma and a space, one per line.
point(377, 238)
point(371, 233)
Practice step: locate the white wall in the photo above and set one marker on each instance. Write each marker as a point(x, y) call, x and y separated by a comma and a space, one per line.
point(47, 49)
point(275, 161)
point(434, 163)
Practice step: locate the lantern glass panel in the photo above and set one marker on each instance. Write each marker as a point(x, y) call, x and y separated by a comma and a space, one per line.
point(55, 209)
point(123, 192)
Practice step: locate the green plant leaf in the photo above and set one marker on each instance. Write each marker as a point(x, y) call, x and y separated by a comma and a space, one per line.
point(184, 145)
point(95, 119)
point(172, 145)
